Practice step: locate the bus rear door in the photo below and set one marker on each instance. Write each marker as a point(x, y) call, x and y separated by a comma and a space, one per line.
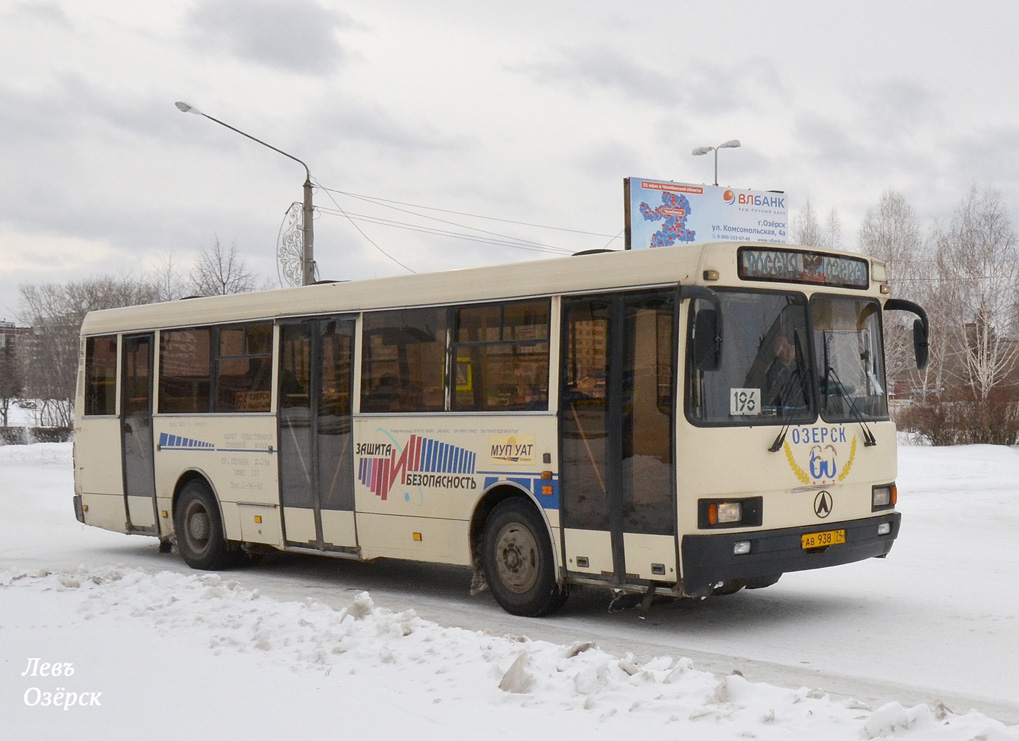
point(136, 432)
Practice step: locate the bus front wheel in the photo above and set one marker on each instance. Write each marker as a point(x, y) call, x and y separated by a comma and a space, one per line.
point(518, 561)
point(199, 528)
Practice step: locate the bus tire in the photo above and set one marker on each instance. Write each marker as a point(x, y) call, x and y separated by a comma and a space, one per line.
point(199, 528)
point(518, 561)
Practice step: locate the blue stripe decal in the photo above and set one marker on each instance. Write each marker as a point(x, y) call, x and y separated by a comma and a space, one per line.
point(177, 442)
point(546, 491)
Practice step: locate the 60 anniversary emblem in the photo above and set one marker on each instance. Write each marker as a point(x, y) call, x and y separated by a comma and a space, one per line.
point(820, 455)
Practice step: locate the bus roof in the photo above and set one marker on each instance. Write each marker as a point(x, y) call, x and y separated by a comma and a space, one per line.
point(610, 270)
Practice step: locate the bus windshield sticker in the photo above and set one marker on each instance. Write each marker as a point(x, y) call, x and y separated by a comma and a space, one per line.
point(801, 266)
point(744, 402)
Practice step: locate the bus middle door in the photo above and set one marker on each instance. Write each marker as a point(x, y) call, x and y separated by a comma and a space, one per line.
point(315, 435)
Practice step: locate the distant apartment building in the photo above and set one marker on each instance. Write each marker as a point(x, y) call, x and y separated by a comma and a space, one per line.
point(10, 334)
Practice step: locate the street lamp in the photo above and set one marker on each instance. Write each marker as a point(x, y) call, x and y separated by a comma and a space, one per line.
point(731, 144)
point(307, 231)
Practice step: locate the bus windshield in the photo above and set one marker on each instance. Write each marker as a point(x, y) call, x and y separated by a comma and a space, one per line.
point(784, 361)
point(850, 364)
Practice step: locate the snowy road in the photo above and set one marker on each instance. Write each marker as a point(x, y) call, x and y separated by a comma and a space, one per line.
point(938, 620)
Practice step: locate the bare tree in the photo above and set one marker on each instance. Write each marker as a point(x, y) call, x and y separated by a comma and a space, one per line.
point(221, 271)
point(833, 238)
point(167, 281)
point(891, 232)
point(928, 281)
point(807, 229)
point(979, 258)
point(971, 291)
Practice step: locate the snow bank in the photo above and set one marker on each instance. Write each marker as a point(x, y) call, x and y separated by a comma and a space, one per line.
point(393, 672)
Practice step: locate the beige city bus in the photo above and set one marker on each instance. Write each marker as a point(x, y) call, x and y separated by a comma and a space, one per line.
point(684, 421)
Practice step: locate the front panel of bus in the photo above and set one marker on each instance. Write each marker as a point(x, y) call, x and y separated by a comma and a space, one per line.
point(785, 450)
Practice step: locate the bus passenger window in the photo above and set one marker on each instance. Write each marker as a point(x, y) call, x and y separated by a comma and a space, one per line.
point(403, 368)
point(501, 357)
point(185, 370)
point(100, 375)
point(244, 368)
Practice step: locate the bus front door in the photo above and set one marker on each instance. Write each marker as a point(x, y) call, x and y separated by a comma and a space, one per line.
point(617, 466)
point(136, 433)
point(315, 435)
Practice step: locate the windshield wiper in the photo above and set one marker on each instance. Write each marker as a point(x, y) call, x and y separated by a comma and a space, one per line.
point(777, 445)
point(868, 437)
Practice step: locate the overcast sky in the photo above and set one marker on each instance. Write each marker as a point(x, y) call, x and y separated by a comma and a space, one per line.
point(531, 112)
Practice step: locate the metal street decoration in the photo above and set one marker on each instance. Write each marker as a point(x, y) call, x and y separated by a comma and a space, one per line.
point(290, 247)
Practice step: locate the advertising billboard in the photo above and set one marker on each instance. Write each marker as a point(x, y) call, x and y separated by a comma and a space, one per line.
point(662, 213)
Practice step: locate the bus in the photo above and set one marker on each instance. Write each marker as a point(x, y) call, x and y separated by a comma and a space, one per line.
point(683, 421)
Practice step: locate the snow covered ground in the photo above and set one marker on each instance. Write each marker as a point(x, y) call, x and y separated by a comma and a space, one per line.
point(99, 643)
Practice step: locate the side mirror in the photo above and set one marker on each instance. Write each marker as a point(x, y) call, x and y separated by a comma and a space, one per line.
point(921, 328)
point(707, 340)
point(921, 344)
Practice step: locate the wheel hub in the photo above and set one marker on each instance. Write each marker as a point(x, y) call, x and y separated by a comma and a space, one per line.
point(198, 526)
point(517, 564)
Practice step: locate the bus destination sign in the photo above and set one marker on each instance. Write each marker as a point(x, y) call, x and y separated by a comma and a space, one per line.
point(802, 266)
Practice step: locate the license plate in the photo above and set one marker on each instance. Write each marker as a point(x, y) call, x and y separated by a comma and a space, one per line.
point(823, 539)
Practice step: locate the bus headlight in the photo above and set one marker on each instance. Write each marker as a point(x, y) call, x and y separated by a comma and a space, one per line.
point(724, 513)
point(883, 497)
point(743, 512)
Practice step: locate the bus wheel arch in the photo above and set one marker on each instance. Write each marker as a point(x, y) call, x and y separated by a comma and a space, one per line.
point(511, 544)
point(198, 524)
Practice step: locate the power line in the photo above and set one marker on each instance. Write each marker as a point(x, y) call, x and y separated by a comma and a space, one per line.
point(495, 239)
point(370, 240)
point(386, 201)
point(502, 237)
point(472, 234)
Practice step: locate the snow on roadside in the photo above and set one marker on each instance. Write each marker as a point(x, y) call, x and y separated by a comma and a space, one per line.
point(422, 679)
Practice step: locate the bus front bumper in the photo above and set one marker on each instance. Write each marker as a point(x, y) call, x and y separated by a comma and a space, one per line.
point(710, 559)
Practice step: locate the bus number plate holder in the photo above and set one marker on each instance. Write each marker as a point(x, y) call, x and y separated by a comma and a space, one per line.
point(822, 539)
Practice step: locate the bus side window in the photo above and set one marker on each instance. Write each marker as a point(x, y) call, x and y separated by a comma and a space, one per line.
point(501, 354)
point(403, 368)
point(244, 368)
point(185, 370)
point(100, 375)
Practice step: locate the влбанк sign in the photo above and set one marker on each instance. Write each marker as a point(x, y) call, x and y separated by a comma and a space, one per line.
point(663, 213)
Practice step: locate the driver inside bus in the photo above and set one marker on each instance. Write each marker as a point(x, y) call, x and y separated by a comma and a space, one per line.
point(784, 379)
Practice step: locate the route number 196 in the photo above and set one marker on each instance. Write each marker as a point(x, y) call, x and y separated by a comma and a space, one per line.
point(744, 402)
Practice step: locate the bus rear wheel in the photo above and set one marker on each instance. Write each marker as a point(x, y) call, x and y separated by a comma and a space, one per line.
point(518, 561)
point(199, 528)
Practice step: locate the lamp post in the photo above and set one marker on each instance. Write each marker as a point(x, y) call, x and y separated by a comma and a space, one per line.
point(731, 144)
point(307, 230)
